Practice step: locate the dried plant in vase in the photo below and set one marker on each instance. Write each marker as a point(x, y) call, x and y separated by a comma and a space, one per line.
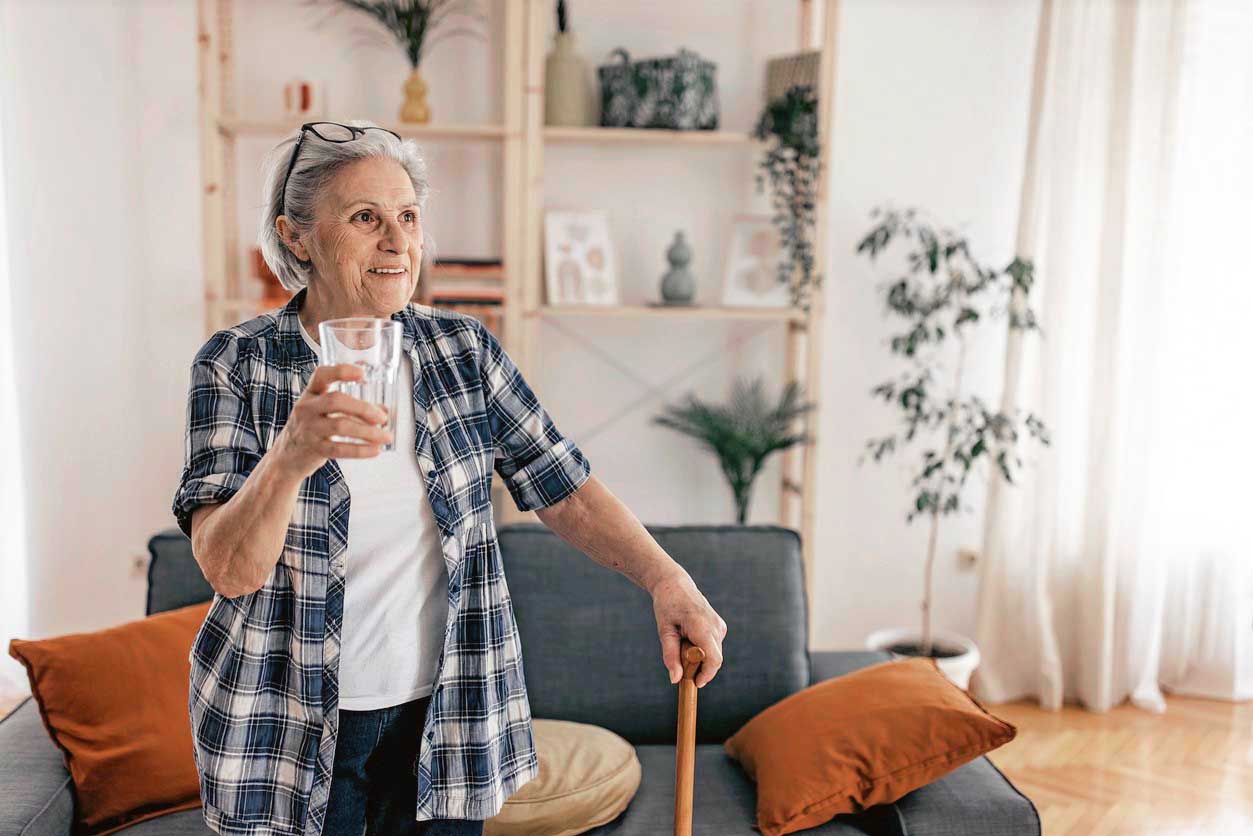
point(743, 433)
point(417, 25)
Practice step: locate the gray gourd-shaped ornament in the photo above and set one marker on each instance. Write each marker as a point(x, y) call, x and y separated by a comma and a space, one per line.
point(678, 285)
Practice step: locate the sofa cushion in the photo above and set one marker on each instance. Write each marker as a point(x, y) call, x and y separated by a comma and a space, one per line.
point(859, 740)
point(587, 776)
point(723, 800)
point(589, 636)
point(115, 703)
point(36, 795)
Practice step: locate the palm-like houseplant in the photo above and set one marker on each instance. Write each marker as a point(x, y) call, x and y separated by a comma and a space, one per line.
point(742, 433)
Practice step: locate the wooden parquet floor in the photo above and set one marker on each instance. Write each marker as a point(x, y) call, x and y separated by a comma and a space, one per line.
point(1188, 771)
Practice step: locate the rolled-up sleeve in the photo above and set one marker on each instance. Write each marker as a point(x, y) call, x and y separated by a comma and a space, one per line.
point(220, 444)
point(539, 465)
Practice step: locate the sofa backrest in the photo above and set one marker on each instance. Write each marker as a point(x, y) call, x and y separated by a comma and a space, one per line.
point(174, 576)
point(589, 635)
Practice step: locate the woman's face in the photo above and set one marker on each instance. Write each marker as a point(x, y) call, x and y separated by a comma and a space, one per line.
point(368, 221)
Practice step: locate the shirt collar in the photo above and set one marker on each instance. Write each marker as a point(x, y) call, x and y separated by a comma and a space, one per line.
point(410, 317)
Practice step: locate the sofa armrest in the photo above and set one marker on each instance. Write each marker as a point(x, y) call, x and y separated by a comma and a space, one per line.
point(36, 793)
point(828, 664)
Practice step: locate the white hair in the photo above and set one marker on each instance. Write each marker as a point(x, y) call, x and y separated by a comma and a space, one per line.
point(317, 165)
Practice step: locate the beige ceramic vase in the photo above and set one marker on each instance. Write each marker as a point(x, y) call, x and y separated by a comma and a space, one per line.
point(415, 108)
point(568, 90)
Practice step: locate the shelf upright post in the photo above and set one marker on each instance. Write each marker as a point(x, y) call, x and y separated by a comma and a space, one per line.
point(514, 209)
point(212, 21)
point(525, 132)
point(817, 311)
point(796, 359)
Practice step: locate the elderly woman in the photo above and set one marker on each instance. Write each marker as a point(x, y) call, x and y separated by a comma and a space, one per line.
point(359, 668)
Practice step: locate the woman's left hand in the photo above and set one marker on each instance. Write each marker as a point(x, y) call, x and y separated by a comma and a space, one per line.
point(683, 612)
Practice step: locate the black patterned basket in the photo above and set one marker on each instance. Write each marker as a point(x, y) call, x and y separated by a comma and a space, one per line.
point(678, 92)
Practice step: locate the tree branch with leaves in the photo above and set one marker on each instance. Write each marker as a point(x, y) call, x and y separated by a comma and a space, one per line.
point(943, 293)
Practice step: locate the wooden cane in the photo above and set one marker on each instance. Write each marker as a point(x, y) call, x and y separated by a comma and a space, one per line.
point(685, 741)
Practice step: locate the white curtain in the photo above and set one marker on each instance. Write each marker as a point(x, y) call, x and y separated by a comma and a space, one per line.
point(1118, 565)
point(13, 554)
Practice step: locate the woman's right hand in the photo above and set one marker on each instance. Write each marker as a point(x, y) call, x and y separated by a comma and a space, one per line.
point(305, 444)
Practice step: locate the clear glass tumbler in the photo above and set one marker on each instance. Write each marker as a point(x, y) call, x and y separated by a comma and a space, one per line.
point(374, 345)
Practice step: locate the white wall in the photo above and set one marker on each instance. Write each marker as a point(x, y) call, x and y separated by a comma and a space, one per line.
point(930, 111)
point(103, 164)
point(103, 184)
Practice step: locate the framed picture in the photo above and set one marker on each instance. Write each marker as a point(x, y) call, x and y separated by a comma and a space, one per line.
point(751, 273)
point(579, 264)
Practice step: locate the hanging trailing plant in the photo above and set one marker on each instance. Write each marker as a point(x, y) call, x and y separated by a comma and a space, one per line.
point(790, 125)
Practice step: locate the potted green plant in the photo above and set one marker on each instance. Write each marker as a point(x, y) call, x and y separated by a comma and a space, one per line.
point(414, 24)
point(742, 433)
point(942, 294)
point(789, 127)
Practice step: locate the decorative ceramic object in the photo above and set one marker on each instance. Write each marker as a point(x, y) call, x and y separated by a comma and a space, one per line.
point(568, 93)
point(678, 285)
point(303, 99)
point(415, 108)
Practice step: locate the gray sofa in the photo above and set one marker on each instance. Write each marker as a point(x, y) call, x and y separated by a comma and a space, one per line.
point(592, 656)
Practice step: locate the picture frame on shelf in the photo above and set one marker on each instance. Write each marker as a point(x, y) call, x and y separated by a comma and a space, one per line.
point(750, 276)
point(580, 267)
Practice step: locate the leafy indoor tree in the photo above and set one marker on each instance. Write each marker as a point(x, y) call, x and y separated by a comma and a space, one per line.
point(943, 293)
point(742, 433)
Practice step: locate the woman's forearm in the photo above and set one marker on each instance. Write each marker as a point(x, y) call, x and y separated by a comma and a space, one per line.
point(601, 526)
point(239, 543)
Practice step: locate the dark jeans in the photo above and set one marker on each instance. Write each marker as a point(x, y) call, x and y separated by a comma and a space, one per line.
point(373, 786)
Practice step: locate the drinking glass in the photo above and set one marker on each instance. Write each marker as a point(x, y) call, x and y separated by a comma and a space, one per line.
point(373, 344)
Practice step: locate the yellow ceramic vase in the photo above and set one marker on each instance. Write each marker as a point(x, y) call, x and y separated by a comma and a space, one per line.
point(415, 108)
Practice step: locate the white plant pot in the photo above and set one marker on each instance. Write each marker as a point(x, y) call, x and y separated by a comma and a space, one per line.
point(957, 668)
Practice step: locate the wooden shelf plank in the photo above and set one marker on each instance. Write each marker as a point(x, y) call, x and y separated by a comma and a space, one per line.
point(645, 136)
point(263, 128)
point(672, 312)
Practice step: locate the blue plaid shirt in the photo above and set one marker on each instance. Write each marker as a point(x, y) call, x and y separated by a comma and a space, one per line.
point(264, 666)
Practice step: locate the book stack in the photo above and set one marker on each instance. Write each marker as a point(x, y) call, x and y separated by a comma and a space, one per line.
point(473, 286)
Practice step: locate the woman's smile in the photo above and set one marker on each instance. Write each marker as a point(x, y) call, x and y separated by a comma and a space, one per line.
point(389, 272)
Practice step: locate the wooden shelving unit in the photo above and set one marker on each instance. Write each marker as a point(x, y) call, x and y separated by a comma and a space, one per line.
point(671, 312)
point(802, 356)
point(244, 127)
point(525, 141)
point(634, 136)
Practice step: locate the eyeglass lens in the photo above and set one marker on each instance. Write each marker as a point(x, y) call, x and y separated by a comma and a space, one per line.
point(331, 131)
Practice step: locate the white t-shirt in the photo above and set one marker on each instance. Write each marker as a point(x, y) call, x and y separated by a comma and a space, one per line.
point(396, 590)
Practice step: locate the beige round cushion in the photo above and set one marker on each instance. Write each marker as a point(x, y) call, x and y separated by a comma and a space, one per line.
point(587, 776)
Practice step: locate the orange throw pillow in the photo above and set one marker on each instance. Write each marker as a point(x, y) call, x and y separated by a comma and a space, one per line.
point(115, 702)
point(861, 739)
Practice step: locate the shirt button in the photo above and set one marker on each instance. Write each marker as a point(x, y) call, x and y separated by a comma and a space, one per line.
point(431, 473)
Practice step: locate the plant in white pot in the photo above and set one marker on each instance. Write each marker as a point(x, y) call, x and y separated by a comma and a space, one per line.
point(942, 294)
